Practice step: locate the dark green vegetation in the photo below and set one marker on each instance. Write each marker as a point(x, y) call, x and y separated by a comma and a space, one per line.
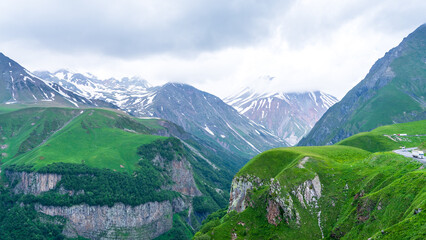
point(106, 157)
point(394, 91)
point(24, 222)
point(101, 186)
point(365, 193)
point(181, 230)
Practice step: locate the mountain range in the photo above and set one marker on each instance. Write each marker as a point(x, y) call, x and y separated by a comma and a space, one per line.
point(149, 175)
point(200, 113)
point(20, 86)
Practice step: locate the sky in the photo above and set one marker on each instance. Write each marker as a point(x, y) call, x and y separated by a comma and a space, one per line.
point(217, 46)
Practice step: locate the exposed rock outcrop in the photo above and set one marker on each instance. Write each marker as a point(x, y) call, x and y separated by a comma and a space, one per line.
point(278, 203)
point(183, 178)
point(308, 192)
point(33, 183)
point(238, 195)
point(179, 170)
point(145, 221)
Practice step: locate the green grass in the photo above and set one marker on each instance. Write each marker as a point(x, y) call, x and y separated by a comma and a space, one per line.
point(102, 148)
point(98, 138)
point(6, 108)
point(375, 141)
point(270, 163)
point(363, 191)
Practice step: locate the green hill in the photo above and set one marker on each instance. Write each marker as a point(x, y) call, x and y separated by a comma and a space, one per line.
point(97, 138)
point(330, 192)
point(386, 138)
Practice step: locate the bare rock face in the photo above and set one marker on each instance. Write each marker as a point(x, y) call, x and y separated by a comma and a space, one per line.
point(33, 183)
point(309, 192)
point(183, 178)
point(180, 171)
point(280, 205)
point(239, 188)
point(144, 221)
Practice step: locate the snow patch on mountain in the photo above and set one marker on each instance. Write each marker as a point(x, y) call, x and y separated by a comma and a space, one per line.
point(288, 115)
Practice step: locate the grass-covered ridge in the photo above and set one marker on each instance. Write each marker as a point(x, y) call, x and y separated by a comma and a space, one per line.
point(386, 138)
point(270, 163)
point(97, 138)
point(364, 192)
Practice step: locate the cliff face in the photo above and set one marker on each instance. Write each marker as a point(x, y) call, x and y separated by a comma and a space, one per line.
point(145, 221)
point(33, 183)
point(280, 204)
point(183, 179)
point(239, 198)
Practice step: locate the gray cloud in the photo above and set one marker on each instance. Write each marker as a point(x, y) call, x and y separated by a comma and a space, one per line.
point(134, 29)
point(324, 45)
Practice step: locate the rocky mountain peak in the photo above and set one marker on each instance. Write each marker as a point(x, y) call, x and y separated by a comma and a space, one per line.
point(289, 115)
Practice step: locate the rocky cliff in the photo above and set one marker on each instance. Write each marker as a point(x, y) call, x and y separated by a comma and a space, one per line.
point(280, 203)
point(145, 221)
point(183, 179)
point(31, 182)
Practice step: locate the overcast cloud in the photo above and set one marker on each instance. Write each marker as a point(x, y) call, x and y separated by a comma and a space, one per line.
point(218, 46)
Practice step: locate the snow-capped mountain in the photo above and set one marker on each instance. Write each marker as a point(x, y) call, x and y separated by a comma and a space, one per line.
point(209, 118)
point(202, 114)
point(290, 116)
point(20, 86)
point(119, 92)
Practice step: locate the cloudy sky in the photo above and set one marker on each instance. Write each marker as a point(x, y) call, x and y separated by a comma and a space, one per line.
point(218, 46)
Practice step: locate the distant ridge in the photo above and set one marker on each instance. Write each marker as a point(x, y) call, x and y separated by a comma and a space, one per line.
point(20, 86)
point(290, 116)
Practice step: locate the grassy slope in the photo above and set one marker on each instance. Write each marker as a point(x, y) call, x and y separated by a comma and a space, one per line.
point(397, 101)
point(362, 192)
point(95, 137)
point(375, 141)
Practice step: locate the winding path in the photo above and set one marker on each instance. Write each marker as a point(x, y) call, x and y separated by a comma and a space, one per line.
point(407, 153)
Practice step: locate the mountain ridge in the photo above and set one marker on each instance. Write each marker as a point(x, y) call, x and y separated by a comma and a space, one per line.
point(20, 86)
point(198, 112)
point(289, 115)
point(393, 91)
